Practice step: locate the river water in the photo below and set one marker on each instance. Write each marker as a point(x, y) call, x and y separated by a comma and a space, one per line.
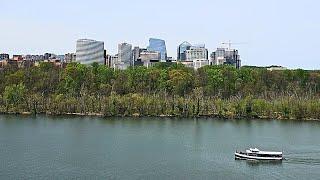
point(153, 148)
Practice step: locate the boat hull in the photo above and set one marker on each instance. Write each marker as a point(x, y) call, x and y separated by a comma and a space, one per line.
point(240, 156)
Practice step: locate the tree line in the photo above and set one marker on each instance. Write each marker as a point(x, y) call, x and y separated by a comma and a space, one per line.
point(162, 90)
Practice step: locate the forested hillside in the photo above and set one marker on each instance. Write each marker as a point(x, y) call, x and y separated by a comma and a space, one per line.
point(163, 90)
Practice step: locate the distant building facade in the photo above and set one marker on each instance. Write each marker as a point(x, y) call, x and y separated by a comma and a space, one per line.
point(33, 57)
point(225, 56)
point(150, 55)
point(17, 57)
point(158, 45)
point(170, 59)
point(49, 56)
point(111, 61)
point(136, 52)
point(125, 55)
point(4, 57)
point(197, 53)
point(90, 51)
point(148, 58)
point(199, 63)
point(188, 64)
point(69, 57)
point(60, 58)
point(181, 52)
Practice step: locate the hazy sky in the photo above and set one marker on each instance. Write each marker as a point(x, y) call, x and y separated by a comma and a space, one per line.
point(282, 32)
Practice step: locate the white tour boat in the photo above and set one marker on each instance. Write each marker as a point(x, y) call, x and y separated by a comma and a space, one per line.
point(256, 154)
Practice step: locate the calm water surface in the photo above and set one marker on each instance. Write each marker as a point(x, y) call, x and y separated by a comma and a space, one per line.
point(152, 148)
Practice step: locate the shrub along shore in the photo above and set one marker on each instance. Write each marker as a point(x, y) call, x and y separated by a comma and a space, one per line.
point(168, 90)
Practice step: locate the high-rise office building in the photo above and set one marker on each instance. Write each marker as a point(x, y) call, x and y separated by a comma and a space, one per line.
point(226, 56)
point(158, 45)
point(182, 48)
point(125, 55)
point(90, 51)
point(196, 53)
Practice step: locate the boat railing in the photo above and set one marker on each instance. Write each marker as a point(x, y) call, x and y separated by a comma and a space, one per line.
point(239, 152)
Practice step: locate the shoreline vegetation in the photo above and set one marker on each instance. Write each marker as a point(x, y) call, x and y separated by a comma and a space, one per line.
point(165, 90)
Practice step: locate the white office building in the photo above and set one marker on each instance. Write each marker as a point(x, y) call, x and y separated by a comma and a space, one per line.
point(198, 63)
point(198, 55)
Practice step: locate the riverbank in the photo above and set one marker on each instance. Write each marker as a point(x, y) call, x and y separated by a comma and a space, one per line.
point(144, 105)
point(136, 115)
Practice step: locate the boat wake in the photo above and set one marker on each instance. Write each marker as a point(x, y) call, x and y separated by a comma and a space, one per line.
point(305, 161)
point(306, 158)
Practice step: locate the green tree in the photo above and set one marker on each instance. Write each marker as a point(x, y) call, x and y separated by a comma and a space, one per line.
point(14, 95)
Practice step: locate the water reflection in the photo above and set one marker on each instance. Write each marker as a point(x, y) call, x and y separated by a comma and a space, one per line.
point(255, 163)
point(197, 133)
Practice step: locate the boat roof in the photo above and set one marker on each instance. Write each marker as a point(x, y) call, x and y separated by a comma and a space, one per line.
point(270, 152)
point(255, 150)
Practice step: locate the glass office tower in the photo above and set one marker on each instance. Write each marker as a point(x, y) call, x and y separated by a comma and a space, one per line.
point(90, 51)
point(182, 48)
point(158, 45)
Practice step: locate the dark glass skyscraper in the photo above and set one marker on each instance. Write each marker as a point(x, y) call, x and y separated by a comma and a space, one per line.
point(158, 45)
point(182, 48)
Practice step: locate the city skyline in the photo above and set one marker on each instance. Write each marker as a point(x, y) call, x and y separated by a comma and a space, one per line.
point(89, 51)
point(271, 32)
